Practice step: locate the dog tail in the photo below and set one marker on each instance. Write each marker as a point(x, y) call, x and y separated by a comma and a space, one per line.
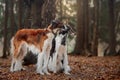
point(12, 46)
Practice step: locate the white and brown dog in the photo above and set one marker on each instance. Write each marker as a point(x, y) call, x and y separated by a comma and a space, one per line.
point(58, 55)
point(38, 41)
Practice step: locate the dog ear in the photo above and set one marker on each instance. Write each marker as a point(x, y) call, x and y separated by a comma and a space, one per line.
point(68, 28)
point(54, 23)
point(57, 24)
point(71, 29)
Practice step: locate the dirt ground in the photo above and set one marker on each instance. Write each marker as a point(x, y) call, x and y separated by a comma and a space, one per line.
point(83, 68)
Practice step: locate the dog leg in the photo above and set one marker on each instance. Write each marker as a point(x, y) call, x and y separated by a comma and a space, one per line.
point(55, 57)
point(50, 64)
point(12, 65)
point(40, 63)
point(59, 66)
point(54, 63)
point(18, 65)
point(65, 63)
point(46, 57)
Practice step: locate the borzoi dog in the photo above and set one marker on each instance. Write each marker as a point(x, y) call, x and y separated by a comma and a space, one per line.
point(58, 56)
point(38, 41)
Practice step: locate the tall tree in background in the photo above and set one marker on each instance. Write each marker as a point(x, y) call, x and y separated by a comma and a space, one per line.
point(79, 46)
point(5, 30)
point(20, 13)
point(61, 9)
point(112, 35)
point(28, 13)
point(28, 7)
point(94, 45)
point(86, 27)
point(12, 18)
point(48, 12)
point(36, 13)
point(82, 45)
point(87, 44)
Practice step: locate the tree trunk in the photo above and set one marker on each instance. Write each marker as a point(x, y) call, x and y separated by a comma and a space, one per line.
point(112, 40)
point(27, 22)
point(12, 20)
point(61, 9)
point(95, 29)
point(86, 27)
point(20, 13)
point(36, 13)
point(82, 45)
point(79, 39)
point(5, 30)
point(48, 12)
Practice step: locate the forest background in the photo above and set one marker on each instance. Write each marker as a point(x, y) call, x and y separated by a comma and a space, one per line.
point(96, 23)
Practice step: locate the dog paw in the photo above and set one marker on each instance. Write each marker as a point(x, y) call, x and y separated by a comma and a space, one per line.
point(41, 73)
point(23, 69)
point(67, 73)
point(68, 68)
point(48, 73)
point(54, 71)
point(11, 70)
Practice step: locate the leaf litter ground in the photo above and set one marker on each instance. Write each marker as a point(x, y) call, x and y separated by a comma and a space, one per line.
point(83, 68)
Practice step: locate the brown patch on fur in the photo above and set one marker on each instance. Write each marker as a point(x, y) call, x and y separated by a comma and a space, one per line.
point(30, 36)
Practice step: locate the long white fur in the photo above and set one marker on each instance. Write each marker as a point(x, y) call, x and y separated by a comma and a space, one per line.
point(44, 57)
point(61, 53)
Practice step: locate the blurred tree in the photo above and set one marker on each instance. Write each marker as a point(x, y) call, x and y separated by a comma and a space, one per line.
point(5, 30)
point(79, 45)
point(48, 12)
point(12, 18)
point(20, 13)
point(82, 46)
point(103, 35)
point(112, 35)
point(61, 9)
point(86, 27)
point(28, 7)
point(94, 45)
point(36, 13)
point(87, 45)
point(1, 18)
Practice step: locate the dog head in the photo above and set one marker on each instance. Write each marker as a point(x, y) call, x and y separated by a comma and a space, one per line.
point(65, 29)
point(55, 25)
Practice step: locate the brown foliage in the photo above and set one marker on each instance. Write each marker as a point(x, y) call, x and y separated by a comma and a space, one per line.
point(83, 68)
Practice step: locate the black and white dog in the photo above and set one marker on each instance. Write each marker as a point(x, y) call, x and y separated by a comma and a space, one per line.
point(58, 58)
